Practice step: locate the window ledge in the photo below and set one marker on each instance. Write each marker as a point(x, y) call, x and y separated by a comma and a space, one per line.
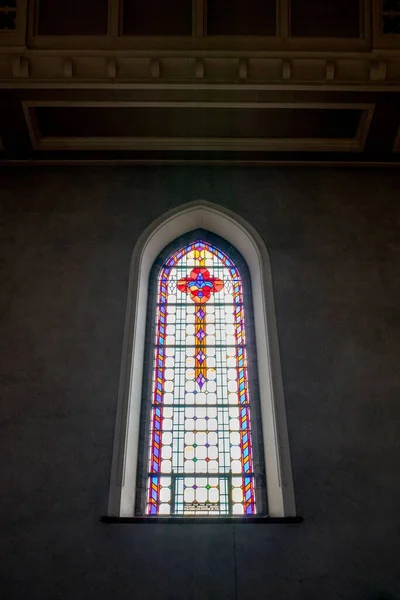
point(185, 520)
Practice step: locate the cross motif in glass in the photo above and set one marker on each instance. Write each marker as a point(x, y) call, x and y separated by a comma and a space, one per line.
point(199, 286)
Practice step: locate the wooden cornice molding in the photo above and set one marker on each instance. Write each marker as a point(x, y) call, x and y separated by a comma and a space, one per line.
point(58, 67)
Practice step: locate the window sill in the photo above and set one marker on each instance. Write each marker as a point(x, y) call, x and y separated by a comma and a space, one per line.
point(265, 520)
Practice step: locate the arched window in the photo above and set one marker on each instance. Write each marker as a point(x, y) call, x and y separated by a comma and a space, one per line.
point(199, 456)
point(236, 483)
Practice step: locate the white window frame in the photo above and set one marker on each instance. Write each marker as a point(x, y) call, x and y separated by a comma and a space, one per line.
point(240, 234)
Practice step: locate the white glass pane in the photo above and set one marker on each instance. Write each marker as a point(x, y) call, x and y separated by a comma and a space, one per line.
point(165, 494)
point(165, 509)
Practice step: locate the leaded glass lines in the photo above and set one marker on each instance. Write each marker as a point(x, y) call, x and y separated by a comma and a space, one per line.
point(200, 459)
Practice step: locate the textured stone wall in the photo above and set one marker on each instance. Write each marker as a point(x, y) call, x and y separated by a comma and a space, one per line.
point(67, 236)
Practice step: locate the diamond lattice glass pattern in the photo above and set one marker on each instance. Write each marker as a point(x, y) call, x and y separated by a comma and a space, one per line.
point(200, 443)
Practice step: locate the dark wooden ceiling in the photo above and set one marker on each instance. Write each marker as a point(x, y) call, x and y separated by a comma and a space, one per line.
point(259, 81)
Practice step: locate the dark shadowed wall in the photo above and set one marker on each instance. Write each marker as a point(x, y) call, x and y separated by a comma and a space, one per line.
point(66, 241)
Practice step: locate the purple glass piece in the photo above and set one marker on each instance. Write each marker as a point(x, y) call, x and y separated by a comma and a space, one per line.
point(200, 356)
point(200, 314)
point(201, 380)
point(200, 335)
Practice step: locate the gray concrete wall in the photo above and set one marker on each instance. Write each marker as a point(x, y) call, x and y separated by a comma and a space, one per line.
point(66, 241)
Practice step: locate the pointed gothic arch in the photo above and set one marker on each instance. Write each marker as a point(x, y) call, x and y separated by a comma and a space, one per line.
point(242, 236)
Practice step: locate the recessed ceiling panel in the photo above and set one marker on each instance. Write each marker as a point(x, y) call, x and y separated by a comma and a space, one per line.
point(72, 17)
point(157, 17)
point(325, 18)
point(198, 126)
point(253, 17)
point(196, 122)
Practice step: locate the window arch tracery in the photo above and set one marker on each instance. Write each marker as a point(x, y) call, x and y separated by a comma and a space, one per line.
point(125, 493)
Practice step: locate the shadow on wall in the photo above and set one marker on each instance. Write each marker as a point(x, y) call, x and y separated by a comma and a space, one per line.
point(382, 596)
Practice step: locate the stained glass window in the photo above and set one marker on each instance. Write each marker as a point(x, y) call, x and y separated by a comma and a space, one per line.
point(200, 456)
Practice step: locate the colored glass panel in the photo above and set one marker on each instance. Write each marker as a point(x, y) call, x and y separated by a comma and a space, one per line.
point(200, 460)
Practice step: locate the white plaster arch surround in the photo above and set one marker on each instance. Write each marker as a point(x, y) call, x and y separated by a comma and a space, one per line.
point(239, 233)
